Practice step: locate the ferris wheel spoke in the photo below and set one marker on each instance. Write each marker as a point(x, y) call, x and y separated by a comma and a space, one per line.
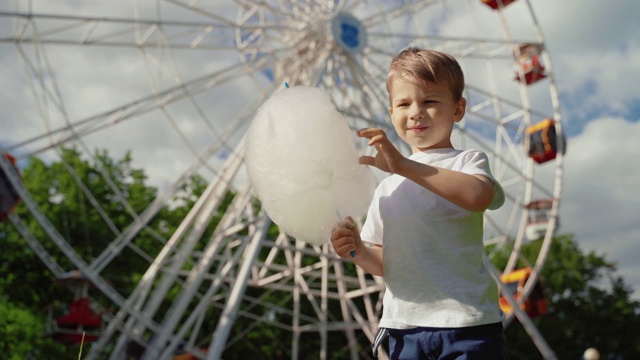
point(339, 5)
point(90, 196)
point(75, 176)
point(373, 66)
point(124, 238)
point(284, 7)
point(460, 47)
point(407, 7)
point(36, 246)
point(505, 101)
point(370, 94)
point(143, 105)
point(209, 295)
point(114, 32)
point(40, 89)
point(197, 273)
point(350, 5)
point(379, 51)
point(201, 113)
point(372, 91)
point(252, 6)
point(482, 145)
point(148, 214)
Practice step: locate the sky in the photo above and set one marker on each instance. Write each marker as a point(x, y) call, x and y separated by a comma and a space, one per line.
point(595, 51)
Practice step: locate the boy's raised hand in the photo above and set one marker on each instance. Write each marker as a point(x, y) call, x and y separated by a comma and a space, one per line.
point(345, 238)
point(388, 158)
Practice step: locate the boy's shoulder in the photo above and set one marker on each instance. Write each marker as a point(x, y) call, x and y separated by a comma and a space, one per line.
point(449, 155)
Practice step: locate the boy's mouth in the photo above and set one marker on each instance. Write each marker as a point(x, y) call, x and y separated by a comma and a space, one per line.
point(418, 128)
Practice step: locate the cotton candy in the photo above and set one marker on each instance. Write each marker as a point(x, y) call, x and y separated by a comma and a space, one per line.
point(301, 158)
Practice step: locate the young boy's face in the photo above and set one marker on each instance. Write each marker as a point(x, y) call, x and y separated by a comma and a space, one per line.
point(423, 113)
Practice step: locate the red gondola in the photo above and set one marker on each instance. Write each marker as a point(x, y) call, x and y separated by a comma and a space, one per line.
point(495, 4)
point(530, 68)
point(80, 318)
point(189, 356)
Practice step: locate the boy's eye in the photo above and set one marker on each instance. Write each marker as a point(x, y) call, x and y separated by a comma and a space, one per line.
point(429, 101)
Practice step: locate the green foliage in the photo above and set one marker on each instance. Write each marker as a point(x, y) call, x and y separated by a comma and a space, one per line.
point(56, 189)
point(589, 306)
point(74, 215)
point(21, 334)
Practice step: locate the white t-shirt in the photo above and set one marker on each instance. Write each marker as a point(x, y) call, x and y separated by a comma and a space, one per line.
point(432, 249)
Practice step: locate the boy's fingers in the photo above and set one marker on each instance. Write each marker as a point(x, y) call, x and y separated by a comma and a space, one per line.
point(340, 232)
point(346, 250)
point(370, 132)
point(379, 141)
point(367, 160)
point(343, 238)
point(344, 246)
point(351, 225)
point(362, 132)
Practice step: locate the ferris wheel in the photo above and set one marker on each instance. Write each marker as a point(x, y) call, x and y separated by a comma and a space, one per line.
point(178, 83)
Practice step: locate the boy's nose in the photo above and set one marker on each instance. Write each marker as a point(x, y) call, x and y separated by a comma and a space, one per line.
point(417, 112)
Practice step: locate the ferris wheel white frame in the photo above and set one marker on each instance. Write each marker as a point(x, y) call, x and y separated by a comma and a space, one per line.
point(251, 29)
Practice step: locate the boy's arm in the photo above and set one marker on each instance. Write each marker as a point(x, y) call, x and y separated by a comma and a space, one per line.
point(370, 260)
point(470, 192)
point(345, 238)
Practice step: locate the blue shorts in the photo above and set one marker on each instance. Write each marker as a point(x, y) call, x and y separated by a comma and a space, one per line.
point(475, 342)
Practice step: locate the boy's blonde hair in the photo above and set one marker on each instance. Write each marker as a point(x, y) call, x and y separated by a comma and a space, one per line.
point(427, 65)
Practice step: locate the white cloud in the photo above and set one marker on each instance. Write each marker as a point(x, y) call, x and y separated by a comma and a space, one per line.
point(607, 80)
point(596, 26)
point(595, 50)
point(600, 203)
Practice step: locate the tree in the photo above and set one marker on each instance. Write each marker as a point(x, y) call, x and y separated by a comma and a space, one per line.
point(54, 187)
point(21, 334)
point(589, 306)
point(70, 211)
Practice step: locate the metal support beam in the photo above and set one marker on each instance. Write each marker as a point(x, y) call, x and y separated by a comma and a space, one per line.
point(230, 311)
point(529, 326)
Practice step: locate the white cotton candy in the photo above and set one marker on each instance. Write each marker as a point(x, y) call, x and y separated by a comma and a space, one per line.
point(302, 161)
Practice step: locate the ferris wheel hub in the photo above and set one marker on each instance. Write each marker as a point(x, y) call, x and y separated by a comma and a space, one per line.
point(348, 32)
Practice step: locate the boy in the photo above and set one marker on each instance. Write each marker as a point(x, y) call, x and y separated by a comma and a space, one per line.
point(426, 221)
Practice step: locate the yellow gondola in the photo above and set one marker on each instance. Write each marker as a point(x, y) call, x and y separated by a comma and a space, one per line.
point(514, 282)
point(543, 141)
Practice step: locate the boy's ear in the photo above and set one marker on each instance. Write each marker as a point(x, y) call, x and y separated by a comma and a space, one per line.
point(461, 107)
